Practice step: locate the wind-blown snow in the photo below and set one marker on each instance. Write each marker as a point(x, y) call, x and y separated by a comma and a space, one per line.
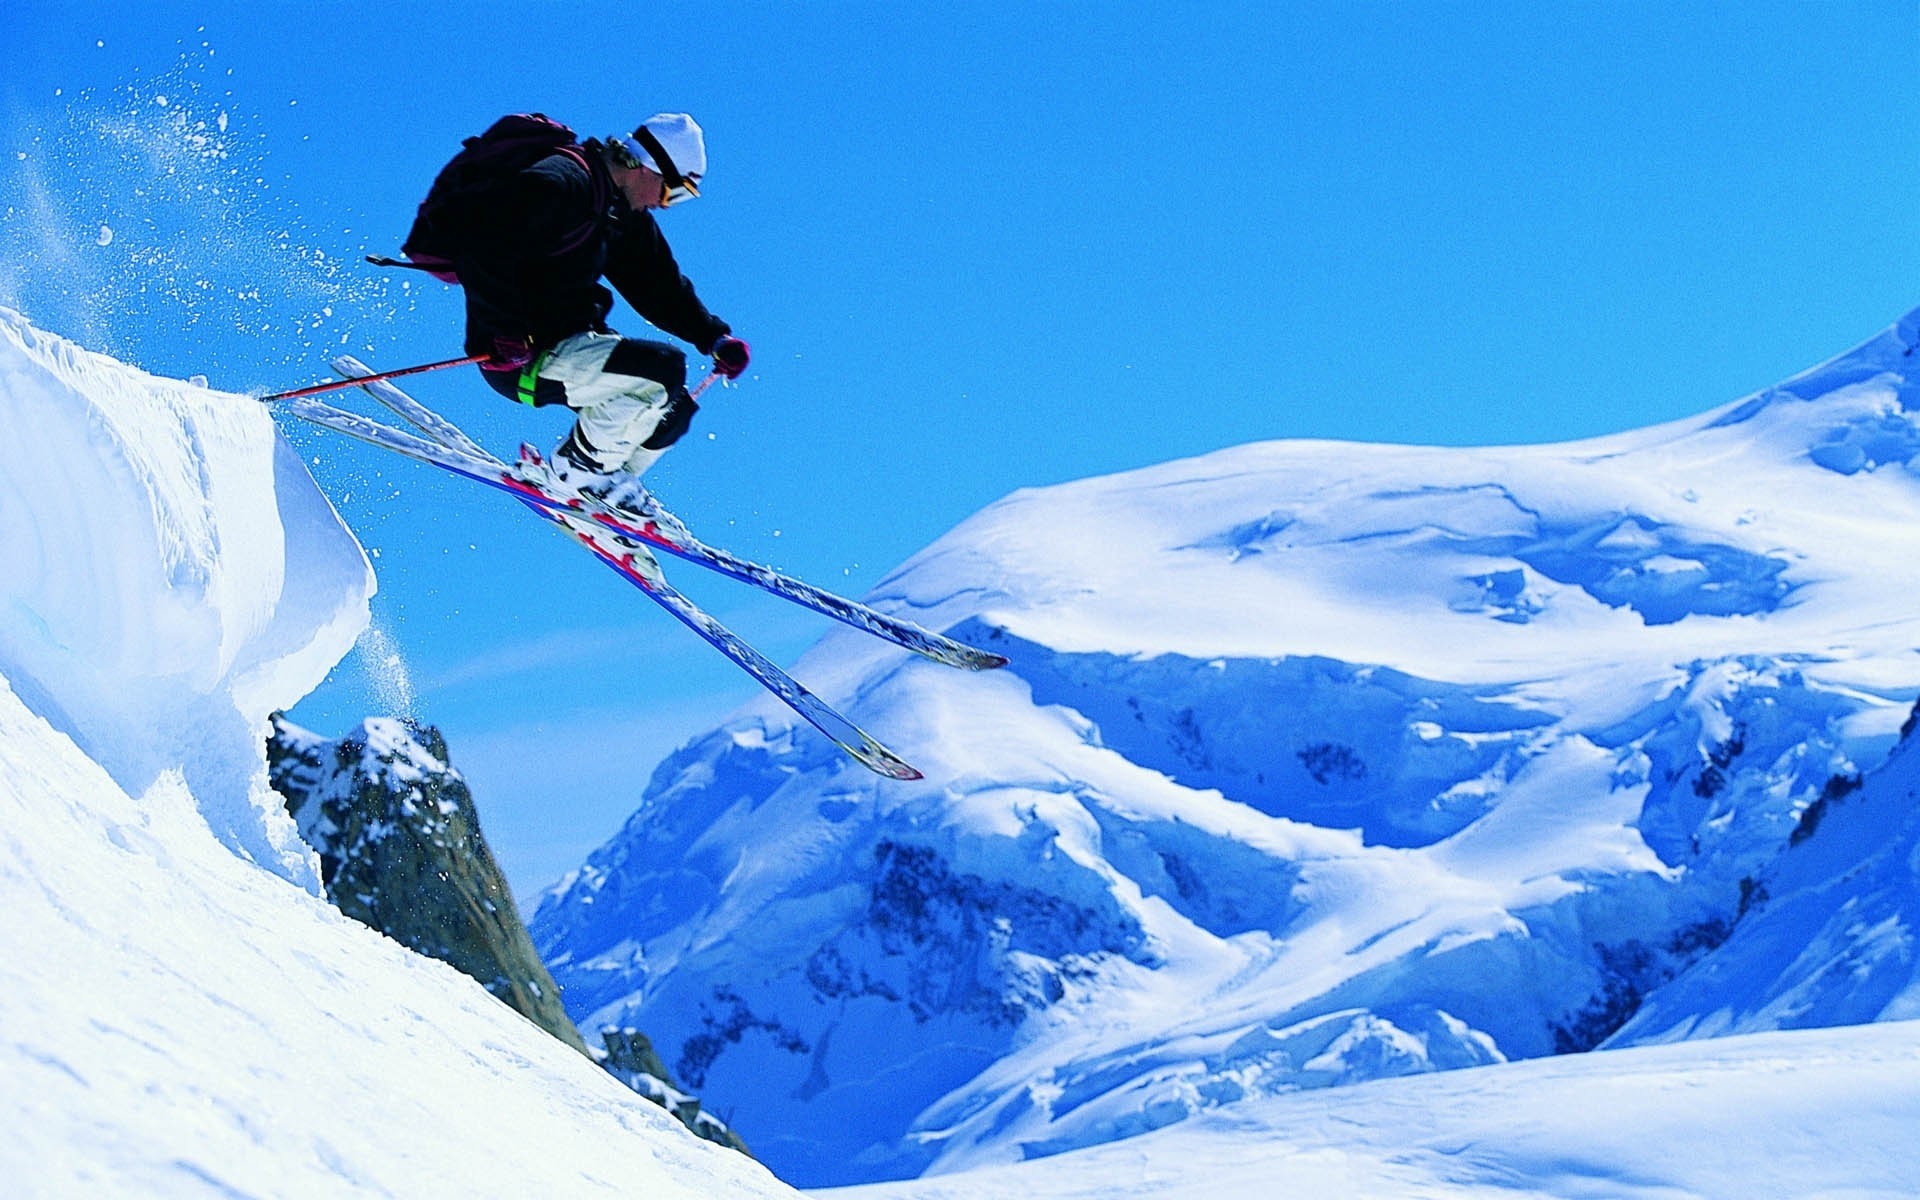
point(1316, 763)
point(177, 1017)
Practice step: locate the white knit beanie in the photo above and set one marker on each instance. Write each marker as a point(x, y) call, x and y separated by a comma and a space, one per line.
point(682, 140)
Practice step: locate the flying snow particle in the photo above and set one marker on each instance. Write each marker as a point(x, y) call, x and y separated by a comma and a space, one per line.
point(106, 236)
point(387, 671)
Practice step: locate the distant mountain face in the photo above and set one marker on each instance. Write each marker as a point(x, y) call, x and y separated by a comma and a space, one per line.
point(1315, 763)
point(401, 851)
point(1832, 933)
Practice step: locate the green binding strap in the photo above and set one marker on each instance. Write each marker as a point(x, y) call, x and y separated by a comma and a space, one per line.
point(523, 388)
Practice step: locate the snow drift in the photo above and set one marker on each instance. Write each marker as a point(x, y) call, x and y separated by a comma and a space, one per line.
point(181, 1013)
point(1316, 763)
point(171, 577)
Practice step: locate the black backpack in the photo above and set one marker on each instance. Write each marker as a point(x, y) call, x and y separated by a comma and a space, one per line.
point(511, 144)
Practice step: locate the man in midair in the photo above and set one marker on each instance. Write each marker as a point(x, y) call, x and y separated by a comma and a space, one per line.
point(531, 256)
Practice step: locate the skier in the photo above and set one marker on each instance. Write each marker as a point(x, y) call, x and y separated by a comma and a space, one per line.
point(531, 255)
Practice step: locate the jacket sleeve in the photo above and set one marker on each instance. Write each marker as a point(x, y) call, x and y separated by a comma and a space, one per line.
point(641, 267)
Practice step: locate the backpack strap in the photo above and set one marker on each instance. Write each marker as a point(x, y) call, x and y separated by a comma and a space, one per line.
point(439, 268)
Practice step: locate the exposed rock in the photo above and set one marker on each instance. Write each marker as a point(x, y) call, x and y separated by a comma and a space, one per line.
point(401, 851)
point(630, 1057)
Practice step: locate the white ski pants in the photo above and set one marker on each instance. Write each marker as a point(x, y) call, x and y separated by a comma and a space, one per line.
point(626, 416)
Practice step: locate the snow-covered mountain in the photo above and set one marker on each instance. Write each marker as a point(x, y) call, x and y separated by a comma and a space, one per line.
point(1832, 937)
point(1113, 905)
point(1316, 764)
point(181, 1012)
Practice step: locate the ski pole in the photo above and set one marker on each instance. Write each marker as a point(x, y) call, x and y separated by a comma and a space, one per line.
point(340, 385)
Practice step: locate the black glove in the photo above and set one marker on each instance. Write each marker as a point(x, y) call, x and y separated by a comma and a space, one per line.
point(730, 357)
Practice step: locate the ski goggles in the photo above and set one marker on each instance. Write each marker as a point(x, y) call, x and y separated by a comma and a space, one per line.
point(643, 150)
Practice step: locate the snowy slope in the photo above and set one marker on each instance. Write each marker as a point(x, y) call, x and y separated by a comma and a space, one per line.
point(1178, 875)
point(1317, 763)
point(180, 1013)
point(1826, 1113)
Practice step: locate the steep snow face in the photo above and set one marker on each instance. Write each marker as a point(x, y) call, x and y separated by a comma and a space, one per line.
point(1834, 924)
point(1315, 763)
point(176, 1017)
point(172, 576)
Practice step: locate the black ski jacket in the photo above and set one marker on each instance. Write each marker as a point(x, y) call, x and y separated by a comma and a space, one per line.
point(529, 274)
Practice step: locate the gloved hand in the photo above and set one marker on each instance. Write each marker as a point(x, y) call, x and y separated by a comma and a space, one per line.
point(509, 354)
point(730, 357)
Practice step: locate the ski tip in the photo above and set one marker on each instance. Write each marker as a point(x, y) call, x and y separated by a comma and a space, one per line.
point(965, 657)
point(882, 761)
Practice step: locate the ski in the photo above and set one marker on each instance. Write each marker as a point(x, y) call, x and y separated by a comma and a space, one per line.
point(630, 560)
point(856, 742)
point(651, 523)
point(407, 408)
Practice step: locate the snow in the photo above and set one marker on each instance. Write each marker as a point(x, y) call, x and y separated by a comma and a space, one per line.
point(1329, 787)
point(1804, 1114)
point(1315, 764)
point(1834, 940)
point(173, 577)
point(180, 1013)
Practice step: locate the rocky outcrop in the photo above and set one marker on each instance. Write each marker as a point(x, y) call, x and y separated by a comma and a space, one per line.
point(401, 851)
point(630, 1057)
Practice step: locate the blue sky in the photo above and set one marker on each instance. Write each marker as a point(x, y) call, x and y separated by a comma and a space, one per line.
point(975, 248)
